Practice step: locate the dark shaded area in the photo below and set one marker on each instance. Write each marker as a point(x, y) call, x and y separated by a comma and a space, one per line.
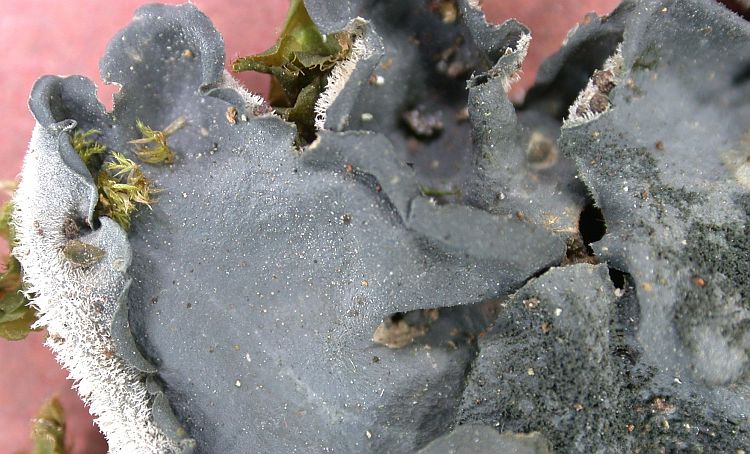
point(741, 7)
point(591, 225)
point(719, 262)
point(618, 278)
point(440, 327)
point(742, 76)
point(575, 358)
point(677, 233)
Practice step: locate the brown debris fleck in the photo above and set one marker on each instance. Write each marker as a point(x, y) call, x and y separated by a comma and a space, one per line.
point(376, 79)
point(604, 81)
point(70, 229)
point(660, 405)
point(462, 115)
point(231, 114)
point(448, 11)
point(599, 103)
point(541, 151)
point(38, 228)
point(262, 109)
point(423, 124)
point(397, 334)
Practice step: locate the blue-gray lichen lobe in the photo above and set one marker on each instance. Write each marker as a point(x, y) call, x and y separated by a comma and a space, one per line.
point(262, 272)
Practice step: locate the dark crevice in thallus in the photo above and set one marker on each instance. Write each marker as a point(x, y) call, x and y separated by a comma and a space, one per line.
point(625, 322)
point(591, 225)
point(619, 278)
point(740, 7)
point(591, 228)
point(445, 327)
point(742, 76)
point(451, 328)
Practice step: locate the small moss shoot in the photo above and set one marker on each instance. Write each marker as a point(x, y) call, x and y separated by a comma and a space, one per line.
point(299, 64)
point(152, 147)
point(440, 196)
point(87, 148)
point(123, 188)
point(16, 317)
point(48, 430)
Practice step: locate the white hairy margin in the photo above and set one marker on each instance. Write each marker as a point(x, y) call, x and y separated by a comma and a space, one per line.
point(75, 305)
point(522, 48)
point(614, 64)
point(341, 73)
point(252, 101)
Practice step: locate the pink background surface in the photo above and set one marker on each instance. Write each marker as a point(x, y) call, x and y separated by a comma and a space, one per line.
point(44, 37)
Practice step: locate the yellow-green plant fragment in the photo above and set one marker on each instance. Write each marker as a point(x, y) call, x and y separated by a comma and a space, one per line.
point(48, 430)
point(299, 62)
point(16, 317)
point(86, 148)
point(121, 184)
point(122, 189)
point(152, 147)
point(435, 192)
point(17, 324)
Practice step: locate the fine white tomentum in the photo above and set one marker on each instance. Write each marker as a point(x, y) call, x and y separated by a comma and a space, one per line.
point(252, 101)
point(77, 306)
point(578, 112)
point(341, 72)
point(522, 48)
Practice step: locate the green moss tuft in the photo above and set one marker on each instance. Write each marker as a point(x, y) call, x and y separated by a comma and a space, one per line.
point(152, 147)
point(123, 187)
point(86, 148)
